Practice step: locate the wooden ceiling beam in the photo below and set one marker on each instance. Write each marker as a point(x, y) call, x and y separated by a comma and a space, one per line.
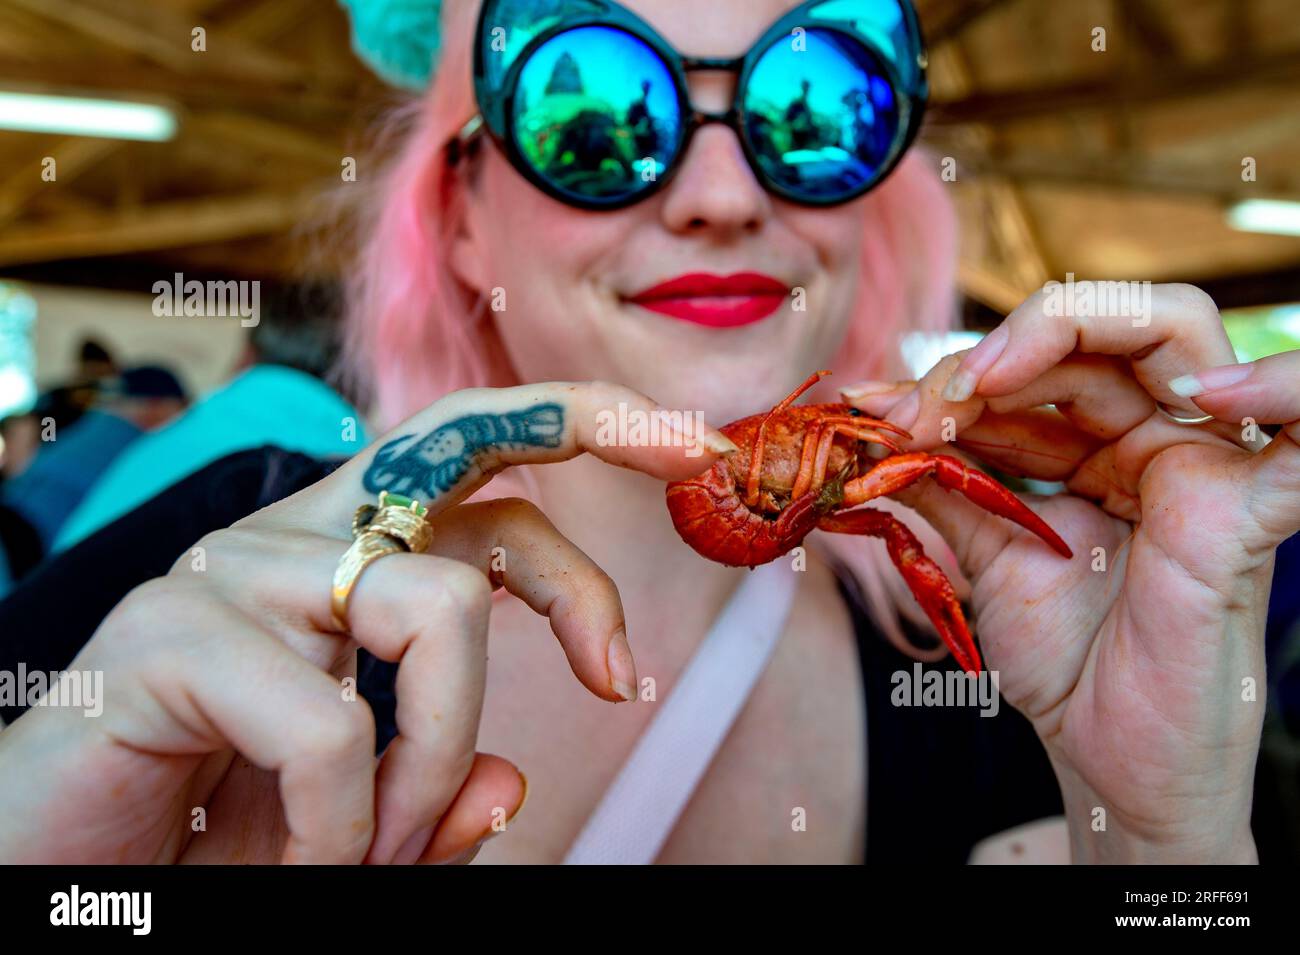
point(109, 30)
point(1150, 28)
point(166, 41)
point(258, 136)
point(22, 33)
point(72, 156)
point(1019, 258)
point(1277, 131)
point(953, 24)
point(162, 225)
point(263, 21)
point(1132, 174)
point(1280, 69)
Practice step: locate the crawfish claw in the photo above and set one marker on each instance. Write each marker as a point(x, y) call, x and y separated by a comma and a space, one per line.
point(897, 472)
point(926, 579)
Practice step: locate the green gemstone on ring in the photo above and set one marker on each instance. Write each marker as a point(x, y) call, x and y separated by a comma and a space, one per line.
point(389, 499)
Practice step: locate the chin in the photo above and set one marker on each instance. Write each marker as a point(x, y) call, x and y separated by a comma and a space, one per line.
point(724, 373)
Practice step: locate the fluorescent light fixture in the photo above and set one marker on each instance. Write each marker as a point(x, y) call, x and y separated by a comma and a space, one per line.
point(1266, 215)
point(111, 119)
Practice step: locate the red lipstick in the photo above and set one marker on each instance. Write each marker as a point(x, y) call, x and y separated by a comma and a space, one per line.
point(716, 301)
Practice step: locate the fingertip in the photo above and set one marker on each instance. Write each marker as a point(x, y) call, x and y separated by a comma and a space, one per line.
point(676, 462)
point(486, 806)
point(878, 403)
point(622, 668)
point(523, 798)
point(869, 389)
point(718, 443)
point(905, 414)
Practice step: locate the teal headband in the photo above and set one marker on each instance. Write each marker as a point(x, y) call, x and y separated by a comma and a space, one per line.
point(398, 39)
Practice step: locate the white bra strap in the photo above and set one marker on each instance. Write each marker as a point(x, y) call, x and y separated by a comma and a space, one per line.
point(641, 806)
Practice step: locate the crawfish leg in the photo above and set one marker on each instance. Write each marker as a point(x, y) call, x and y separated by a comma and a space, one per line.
point(927, 581)
point(760, 440)
point(807, 460)
point(812, 465)
point(894, 474)
point(860, 421)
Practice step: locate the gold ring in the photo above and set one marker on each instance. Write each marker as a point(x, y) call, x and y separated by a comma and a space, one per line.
point(1174, 416)
point(398, 525)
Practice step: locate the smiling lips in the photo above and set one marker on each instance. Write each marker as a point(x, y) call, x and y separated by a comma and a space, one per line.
point(715, 300)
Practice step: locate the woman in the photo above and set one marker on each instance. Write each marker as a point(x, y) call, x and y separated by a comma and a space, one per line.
point(1130, 661)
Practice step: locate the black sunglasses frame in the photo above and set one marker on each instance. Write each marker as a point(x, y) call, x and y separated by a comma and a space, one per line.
point(497, 105)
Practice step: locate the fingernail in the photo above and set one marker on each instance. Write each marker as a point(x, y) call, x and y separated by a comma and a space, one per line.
point(448, 860)
point(622, 671)
point(961, 385)
point(966, 376)
point(522, 802)
point(864, 388)
point(492, 830)
point(905, 414)
point(413, 847)
point(1212, 379)
point(718, 443)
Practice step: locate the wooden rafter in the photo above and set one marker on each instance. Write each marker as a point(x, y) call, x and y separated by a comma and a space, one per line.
point(166, 40)
point(1279, 69)
point(263, 136)
point(1134, 174)
point(1155, 37)
point(72, 156)
point(1024, 263)
point(964, 13)
point(161, 225)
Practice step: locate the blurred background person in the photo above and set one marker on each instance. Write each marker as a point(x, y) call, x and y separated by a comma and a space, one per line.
point(277, 396)
point(20, 545)
point(67, 401)
point(20, 437)
point(67, 465)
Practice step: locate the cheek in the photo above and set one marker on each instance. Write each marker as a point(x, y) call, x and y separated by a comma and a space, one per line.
point(835, 237)
point(834, 234)
point(547, 259)
point(529, 237)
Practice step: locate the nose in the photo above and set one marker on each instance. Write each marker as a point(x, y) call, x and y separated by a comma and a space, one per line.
point(715, 191)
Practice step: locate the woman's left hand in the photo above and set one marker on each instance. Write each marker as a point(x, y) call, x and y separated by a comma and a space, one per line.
point(1140, 662)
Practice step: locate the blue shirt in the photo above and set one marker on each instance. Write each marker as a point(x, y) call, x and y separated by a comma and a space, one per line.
point(267, 404)
point(64, 470)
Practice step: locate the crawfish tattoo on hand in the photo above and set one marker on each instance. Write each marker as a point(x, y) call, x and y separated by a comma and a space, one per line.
point(431, 465)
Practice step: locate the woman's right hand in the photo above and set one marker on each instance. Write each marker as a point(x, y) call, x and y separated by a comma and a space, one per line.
point(223, 681)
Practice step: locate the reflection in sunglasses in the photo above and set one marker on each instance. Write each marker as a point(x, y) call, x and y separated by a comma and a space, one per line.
point(596, 113)
point(593, 107)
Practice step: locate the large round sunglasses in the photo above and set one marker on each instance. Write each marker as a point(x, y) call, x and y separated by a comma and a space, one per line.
point(591, 105)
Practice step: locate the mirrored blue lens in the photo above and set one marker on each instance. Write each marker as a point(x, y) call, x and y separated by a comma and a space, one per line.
point(821, 115)
point(596, 113)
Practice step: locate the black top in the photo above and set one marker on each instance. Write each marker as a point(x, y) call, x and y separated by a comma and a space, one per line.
point(939, 778)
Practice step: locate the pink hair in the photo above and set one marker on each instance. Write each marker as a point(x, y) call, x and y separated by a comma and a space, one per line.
point(415, 335)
